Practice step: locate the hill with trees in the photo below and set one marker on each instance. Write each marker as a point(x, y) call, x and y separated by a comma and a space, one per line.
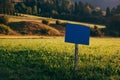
point(63, 9)
point(25, 27)
point(59, 9)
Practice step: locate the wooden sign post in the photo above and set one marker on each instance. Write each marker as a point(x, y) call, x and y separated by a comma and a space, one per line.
point(77, 34)
point(76, 57)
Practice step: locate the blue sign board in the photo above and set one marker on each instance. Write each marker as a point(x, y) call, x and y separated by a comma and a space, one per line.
point(77, 34)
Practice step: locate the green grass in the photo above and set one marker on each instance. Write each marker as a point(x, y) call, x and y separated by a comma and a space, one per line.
point(53, 59)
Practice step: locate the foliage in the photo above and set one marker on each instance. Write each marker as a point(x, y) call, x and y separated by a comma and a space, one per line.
point(58, 22)
point(44, 21)
point(115, 10)
point(44, 31)
point(66, 9)
point(54, 12)
point(17, 14)
point(4, 19)
point(4, 29)
point(6, 7)
point(29, 10)
point(108, 12)
point(96, 32)
point(59, 9)
point(21, 8)
point(35, 10)
point(113, 26)
point(52, 59)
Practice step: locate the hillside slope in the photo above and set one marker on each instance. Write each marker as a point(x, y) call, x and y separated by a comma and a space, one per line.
point(32, 25)
point(6, 30)
point(33, 28)
point(25, 17)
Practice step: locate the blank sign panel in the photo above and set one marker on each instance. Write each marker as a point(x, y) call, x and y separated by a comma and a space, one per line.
point(77, 34)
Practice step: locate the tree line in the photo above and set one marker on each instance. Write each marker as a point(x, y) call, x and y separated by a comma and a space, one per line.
point(65, 9)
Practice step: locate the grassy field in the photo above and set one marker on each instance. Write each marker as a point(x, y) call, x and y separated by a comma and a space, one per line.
point(53, 59)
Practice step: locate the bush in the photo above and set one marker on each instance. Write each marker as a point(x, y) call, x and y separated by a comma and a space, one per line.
point(4, 29)
point(44, 31)
point(113, 26)
point(113, 33)
point(4, 19)
point(58, 22)
point(96, 32)
point(45, 22)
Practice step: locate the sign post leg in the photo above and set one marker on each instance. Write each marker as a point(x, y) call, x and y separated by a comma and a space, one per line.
point(76, 57)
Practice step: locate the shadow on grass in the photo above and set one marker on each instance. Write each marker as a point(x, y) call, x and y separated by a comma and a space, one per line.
point(43, 65)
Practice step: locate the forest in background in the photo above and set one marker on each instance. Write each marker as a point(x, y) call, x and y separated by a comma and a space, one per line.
point(65, 9)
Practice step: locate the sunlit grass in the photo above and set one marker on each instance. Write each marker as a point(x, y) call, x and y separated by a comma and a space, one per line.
point(53, 59)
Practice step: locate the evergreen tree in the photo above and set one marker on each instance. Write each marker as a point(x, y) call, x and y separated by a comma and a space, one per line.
point(97, 12)
point(6, 6)
point(88, 10)
point(75, 8)
point(21, 8)
point(113, 11)
point(35, 9)
point(108, 12)
point(81, 8)
point(118, 9)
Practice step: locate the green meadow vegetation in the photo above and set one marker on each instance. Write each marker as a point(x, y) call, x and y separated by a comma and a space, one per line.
point(53, 59)
point(32, 46)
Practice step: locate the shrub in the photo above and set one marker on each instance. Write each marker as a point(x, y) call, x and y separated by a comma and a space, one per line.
point(54, 12)
point(96, 31)
point(111, 33)
point(113, 26)
point(4, 29)
point(4, 19)
point(45, 22)
point(58, 22)
point(44, 31)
